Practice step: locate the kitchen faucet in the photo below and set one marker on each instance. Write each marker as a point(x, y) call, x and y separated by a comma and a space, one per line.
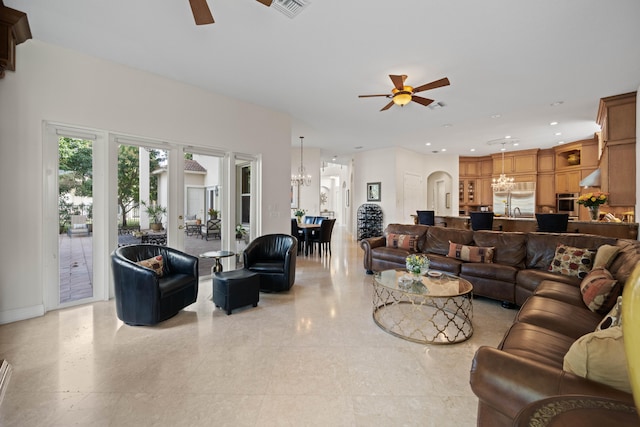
point(514, 212)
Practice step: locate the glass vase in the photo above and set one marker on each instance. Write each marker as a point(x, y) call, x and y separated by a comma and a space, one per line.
point(594, 212)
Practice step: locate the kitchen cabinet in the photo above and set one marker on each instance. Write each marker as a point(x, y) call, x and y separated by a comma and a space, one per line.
point(568, 181)
point(485, 192)
point(467, 192)
point(621, 171)
point(546, 190)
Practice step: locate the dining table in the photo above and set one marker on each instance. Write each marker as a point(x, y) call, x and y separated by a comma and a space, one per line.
point(308, 231)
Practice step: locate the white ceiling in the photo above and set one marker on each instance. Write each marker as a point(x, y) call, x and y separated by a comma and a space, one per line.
point(512, 58)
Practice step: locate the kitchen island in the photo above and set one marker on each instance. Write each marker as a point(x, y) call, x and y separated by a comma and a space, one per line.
point(621, 230)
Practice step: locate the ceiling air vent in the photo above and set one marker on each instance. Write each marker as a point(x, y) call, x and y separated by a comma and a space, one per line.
point(291, 8)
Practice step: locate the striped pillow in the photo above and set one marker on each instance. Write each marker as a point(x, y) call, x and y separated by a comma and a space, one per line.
point(407, 242)
point(471, 253)
point(599, 290)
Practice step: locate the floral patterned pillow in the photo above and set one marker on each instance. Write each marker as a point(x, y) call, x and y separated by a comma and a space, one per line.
point(572, 261)
point(599, 290)
point(155, 263)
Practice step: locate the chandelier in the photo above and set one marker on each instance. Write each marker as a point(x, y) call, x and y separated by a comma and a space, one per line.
point(503, 183)
point(302, 177)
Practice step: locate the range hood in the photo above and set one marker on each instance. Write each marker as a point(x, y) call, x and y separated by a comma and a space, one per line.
point(591, 180)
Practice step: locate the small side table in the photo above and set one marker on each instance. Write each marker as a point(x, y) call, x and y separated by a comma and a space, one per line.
point(217, 268)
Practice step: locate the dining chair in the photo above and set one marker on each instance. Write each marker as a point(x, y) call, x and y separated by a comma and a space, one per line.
point(552, 223)
point(426, 217)
point(481, 220)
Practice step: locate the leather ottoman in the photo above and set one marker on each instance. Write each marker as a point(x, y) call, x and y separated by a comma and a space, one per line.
point(236, 288)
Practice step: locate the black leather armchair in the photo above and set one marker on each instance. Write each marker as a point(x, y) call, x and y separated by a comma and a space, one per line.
point(144, 298)
point(273, 257)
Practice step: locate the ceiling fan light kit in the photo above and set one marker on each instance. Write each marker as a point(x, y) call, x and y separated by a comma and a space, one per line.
point(402, 95)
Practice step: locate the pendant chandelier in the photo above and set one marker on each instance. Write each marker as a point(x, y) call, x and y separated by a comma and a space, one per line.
point(302, 178)
point(503, 183)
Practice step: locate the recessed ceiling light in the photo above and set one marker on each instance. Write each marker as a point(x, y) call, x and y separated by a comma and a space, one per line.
point(496, 116)
point(447, 125)
point(560, 142)
point(556, 103)
point(444, 149)
point(473, 149)
point(507, 137)
point(427, 144)
point(503, 149)
point(558, 133)
point(515, 144)
point(553, 123)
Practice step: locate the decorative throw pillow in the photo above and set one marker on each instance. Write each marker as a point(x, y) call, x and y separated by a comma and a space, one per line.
point(599, 356)
point(605, 256)
point(407, 242)
point(470, 253)
point(572, 261)
point(599, 290)
point(154, 263)
point(613, 318)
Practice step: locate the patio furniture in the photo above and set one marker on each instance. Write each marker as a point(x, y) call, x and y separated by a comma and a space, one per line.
point(144, 297)
point(273, 257)
point(211, 229)
point(78, 226)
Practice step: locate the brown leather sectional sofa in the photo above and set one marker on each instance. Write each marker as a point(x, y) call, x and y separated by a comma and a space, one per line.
point(527, 365)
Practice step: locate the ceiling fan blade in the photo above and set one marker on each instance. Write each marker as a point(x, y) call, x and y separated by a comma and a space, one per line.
point(266, 2)
point(398, 81)
point(432, 85)
point(370, 96)
point(386, 107)
point(201, 12)
point(421, 100)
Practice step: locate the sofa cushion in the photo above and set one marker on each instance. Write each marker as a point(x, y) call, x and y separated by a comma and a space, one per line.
point(599, 290)
point(408, 242)
point(605, 255)
point(566, 319)
point(394, 255)
point(503, 273)
point(470, 253)
point(438, 239)
point(541, 246)
point(572, 261)
point(537, 343)
point(155, 263)
point(613, 318)
point(569, 293)
point(510, 248)
point(444, 263)
point(600, 356)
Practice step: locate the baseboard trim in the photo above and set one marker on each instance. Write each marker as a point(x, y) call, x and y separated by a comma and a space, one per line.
point(9, 316)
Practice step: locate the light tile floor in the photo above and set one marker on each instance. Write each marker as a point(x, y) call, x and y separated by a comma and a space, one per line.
point(309, 357)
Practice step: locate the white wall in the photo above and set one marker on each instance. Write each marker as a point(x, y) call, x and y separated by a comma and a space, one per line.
point(388, 166)
point(60, 85)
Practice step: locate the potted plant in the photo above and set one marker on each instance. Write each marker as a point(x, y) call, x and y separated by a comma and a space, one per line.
point(240, 231)
point(213, 213)
point(299, 213)
point(156, 213)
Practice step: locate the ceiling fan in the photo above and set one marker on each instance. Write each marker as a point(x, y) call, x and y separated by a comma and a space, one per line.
point(202, 13)
point(401, 95)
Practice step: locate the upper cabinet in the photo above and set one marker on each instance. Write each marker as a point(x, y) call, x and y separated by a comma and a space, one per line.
point(617, 117)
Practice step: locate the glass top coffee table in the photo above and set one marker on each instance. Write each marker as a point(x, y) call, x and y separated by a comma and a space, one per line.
point(434, 309)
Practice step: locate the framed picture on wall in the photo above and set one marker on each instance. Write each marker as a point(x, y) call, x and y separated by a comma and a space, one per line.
point(373, 192)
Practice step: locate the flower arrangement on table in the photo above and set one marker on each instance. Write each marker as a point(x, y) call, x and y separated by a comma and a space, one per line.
point(417, 264)
point(593, 199)
point(299, 213)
